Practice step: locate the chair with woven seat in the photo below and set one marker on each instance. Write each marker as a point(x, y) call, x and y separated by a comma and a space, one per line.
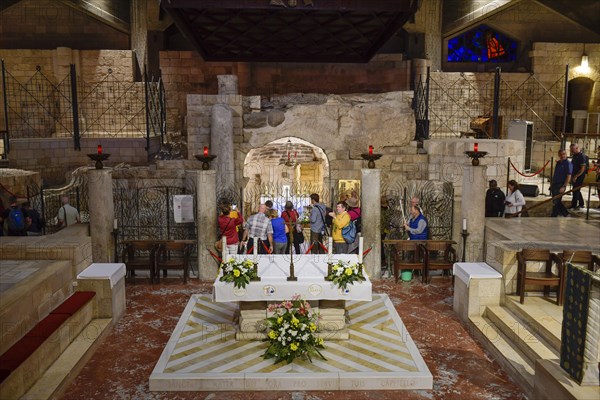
point(408, 255)
point(584, 258)
point(439, 255)
point(545, 278)
point(139, 255)
point(173, 256)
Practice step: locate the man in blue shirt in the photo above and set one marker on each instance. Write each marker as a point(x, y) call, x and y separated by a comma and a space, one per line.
point(562, 176)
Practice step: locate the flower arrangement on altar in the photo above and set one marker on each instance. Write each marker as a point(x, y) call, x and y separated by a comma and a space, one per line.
point(304, 219)
point(292, 331)
point(343, 273)
point(239, 272)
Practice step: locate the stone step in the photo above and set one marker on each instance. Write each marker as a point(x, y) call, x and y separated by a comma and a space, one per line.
point(68, 365)
point(514, 362)
point(541, 323)
point(521, 334)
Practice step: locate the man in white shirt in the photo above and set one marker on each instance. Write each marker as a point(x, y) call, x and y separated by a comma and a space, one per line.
point(67, 214)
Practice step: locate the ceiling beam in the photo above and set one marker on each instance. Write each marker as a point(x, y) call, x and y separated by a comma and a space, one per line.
point(4, 4)
point(337, 5)
point(185, 30)
point(98, 14)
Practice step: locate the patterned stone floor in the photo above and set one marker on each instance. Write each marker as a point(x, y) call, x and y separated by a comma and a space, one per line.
point(461, 369)
point(202, 354)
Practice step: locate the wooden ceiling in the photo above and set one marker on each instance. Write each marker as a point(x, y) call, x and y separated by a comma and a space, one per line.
point(289, 30)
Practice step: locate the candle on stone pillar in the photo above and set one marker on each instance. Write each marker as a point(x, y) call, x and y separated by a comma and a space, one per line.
point(205, 151)
point(99, 149)
point(464, 224)
point(476, 147)
point(115, 224)
point(370, 150)
point(360, 249)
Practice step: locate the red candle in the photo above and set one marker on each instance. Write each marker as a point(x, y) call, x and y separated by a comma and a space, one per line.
point(99, 149)
point(476, 147)
point(370, 150)
point(205, 151)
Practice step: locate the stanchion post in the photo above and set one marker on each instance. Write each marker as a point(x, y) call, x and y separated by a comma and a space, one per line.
point(587, 213)
point(507, 174)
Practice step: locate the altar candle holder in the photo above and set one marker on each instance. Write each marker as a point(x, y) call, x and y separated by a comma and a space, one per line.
point(205, 158)
point(371, 157)
point(99, 157)
point(475, 154)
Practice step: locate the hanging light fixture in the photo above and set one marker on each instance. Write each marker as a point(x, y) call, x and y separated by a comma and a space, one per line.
point(585, 64)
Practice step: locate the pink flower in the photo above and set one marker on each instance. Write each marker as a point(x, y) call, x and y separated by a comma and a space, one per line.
point(288, 304)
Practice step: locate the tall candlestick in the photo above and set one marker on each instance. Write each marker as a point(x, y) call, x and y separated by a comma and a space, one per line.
point(360, 249)
point(464, 224)
point(224, 251)
point(255, 251)
point(330, 247)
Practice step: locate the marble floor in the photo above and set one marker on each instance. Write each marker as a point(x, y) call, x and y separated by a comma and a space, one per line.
point(461, 369)
point(203, 354)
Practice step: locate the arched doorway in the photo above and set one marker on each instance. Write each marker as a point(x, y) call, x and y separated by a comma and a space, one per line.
point(285, 169)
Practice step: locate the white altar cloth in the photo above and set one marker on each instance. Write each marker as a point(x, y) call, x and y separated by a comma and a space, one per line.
point(311, 284)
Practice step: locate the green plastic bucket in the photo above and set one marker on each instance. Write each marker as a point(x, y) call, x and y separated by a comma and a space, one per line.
point(406, 275)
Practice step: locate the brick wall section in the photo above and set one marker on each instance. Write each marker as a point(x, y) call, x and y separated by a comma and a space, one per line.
point(54, 158)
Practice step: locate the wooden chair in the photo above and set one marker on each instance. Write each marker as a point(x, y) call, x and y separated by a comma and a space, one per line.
point(174, 256)
point(545, 278)
point(581, 258)
point(408, 255)
point(438, 255)
point(139, 255)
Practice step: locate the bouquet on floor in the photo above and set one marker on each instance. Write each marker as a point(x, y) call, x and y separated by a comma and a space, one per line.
point(292, 331)
point(343, 273)
point(239, 272)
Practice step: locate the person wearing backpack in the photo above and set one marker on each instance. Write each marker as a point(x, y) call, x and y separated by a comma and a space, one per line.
point(16, 219)
point(318, 228)
point(67, 214)
point(341, 219)
point(37, 222)
point(580, 167)
point(354, 213)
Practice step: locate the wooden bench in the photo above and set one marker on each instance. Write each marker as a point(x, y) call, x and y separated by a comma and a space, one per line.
point(433, 254)
point(158, 253)
point(28, 344)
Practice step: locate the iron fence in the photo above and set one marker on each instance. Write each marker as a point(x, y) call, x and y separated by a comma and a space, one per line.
point(446, 103)
point(40, 107)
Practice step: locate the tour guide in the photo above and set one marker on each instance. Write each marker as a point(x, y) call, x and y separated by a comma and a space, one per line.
point(417, 227)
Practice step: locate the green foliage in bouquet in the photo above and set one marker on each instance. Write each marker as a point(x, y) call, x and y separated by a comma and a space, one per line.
point(292, 332)
point(344, 273)
point(238, 272)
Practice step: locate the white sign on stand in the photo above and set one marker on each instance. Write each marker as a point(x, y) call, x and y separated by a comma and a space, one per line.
point(183, 208)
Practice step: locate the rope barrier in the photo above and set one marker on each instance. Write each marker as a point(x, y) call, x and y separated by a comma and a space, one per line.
point(367, 251)
point(216, 257)
point(532, 175)
point(11, 193)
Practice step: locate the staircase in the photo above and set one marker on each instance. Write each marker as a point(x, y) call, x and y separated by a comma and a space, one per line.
point(519, 334)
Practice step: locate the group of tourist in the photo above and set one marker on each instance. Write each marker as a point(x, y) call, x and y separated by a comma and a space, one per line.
point(566, 172)
point(276, 233)
point(24, 220)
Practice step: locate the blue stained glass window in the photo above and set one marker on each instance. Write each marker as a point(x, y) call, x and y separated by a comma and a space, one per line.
point(482, 44)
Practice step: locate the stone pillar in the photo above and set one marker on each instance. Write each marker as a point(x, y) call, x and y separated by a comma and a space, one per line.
point(371, 222)
point(221, 143)
point(206, 221)
point(102, 214)
point(473, 209)
point(228, 84)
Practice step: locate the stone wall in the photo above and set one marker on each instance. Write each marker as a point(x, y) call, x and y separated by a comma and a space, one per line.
point(54, 158)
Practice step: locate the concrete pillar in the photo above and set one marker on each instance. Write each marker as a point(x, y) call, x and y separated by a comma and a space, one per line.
point(221, 143)
point(206, 221)
point(371, 222)
point(473, 210)
point(102, 214)
point(228, 84)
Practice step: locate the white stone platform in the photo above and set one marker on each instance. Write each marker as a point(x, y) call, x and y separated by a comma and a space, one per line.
point(203, 355)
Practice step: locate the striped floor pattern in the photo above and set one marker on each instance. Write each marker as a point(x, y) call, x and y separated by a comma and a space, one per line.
point(203, 354)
